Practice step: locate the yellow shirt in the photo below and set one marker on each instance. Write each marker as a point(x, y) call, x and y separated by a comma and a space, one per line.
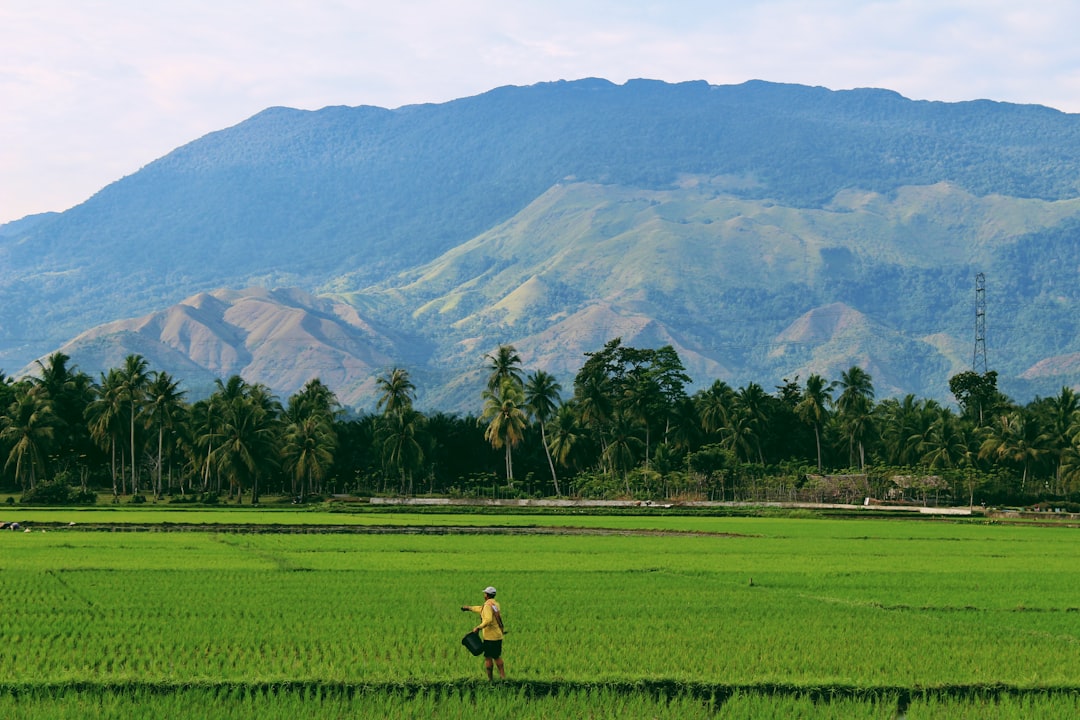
point(489, 626)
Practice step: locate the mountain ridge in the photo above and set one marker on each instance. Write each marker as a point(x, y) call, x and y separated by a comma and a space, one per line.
point(708, 217)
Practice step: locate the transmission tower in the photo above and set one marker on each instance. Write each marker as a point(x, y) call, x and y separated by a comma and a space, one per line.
point(978, 361)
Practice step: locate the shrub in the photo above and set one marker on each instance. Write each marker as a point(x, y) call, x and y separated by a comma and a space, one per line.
point(57, 493)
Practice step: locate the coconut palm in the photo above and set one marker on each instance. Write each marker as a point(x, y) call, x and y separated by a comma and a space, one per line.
point(1059, 415)
point(813, 410)
point(105, 419)
point(541, 401)
point(854, 406)
point(308, 453)
point(684, 431)
point(133, 380)
point(594, 407)
point(740, 435)
point(565, 434)
point(714, 406)
point(906, 426)
point(397, 391)
point(397, 435)
point(641, 402)
point(202, 432)
point(249, 439)
point(29, 428)
point(622, 450)
point(164, 408)
point(948, 443)
point(70, 391)
point(206, 427)
point(506, 420)
point(310, 439)
point(504, 363)
point(751, 407)
point(313, 399)
point(1016, 438)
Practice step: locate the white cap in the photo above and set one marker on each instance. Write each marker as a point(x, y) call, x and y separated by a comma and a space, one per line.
point(489, 590)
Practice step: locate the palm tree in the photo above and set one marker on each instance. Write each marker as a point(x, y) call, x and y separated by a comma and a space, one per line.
point(594, 407)
point(685, 429)
point(751, 404)
point(740, 435)
point(1015, 438)
point(133, 380)
point(948, 444)
point(397, 391)
point(310, 439)
point(314, 399)
point(249, 427)
point(164, 404)
point(105, 418)
point(29, 427)
point(714, 406)
point(642, 401)
point(541, 401)
point(1060, 416)
point(506, 420)
point(565, 434)
point(208, 417)
point(621, 452)
point(504, 363)
point(906, 426)
point(70, 391)
point(812, 409)
point(204, 423)
point(397, 435)
point(308, 453)
point(855, 405)
point(7, 391)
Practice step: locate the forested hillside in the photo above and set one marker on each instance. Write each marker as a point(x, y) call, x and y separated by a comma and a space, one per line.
point(714, 218)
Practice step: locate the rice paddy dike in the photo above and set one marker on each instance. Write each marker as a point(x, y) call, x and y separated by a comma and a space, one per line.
point(245, 613)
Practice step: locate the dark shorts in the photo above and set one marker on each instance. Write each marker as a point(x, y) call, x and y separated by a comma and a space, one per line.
point(493, 649)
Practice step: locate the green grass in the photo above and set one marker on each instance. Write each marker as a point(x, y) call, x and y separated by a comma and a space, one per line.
point(870, 609)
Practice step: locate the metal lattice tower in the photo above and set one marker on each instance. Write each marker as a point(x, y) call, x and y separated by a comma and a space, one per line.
point(978, 361)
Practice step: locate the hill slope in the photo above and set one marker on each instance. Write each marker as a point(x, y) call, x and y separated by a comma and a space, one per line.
point(559, 215)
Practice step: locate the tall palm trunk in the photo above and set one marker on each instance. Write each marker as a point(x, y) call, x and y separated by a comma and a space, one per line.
point(112, 447)
point(551, 464)
point(157, 490)
point(817, 439)
point(134, 472)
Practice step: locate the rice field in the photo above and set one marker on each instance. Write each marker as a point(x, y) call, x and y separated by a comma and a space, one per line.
point(660, 617)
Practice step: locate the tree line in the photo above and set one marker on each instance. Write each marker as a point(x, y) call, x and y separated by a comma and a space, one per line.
point(628, 428)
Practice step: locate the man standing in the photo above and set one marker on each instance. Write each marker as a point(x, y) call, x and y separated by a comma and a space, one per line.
point(491, 630)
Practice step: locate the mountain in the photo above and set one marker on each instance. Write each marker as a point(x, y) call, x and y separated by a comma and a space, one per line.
point(281, 337)
point(764, 230)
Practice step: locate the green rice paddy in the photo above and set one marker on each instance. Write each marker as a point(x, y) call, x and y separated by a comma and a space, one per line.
point(608, 616)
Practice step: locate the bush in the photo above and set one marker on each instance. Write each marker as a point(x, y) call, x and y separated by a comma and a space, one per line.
point(57, 493)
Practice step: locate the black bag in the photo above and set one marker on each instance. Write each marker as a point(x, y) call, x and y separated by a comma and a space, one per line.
point(473, 643)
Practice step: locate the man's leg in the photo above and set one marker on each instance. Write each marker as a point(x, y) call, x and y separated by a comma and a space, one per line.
point(487, 666)
point(502, 671)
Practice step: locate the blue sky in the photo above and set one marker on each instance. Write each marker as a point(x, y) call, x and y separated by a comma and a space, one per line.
point(92, 90)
